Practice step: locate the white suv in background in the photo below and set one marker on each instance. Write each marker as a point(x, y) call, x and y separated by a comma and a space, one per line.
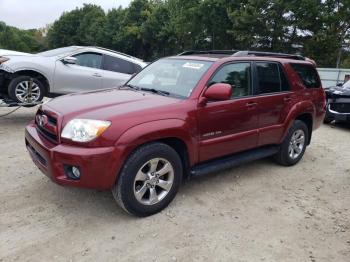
point(64, 70)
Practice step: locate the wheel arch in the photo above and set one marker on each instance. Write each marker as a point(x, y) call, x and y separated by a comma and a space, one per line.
point(35, 74)
point(181, 148)
point(304, 111)
point(172, 132)
point(308, 120)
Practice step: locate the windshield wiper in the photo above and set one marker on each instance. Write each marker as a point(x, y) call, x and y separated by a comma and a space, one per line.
point(156, 91)
point(133, 87)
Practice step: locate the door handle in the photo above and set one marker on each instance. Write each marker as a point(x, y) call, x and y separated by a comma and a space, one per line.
point(251, 104)
point(96, 75)
point(287, 99)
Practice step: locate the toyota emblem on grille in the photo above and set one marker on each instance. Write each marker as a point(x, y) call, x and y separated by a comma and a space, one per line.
point(41, 120)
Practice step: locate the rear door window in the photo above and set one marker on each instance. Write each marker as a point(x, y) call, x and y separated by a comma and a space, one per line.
point(271, 78)
point(308, 75)
point(119, 65)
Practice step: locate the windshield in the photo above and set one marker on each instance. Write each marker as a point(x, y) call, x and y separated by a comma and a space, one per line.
point(59, 51)
point(174, 76)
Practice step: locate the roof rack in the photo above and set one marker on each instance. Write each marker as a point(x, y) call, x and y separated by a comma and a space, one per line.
point(212, 52)
point(272, 54)
point(222, 53)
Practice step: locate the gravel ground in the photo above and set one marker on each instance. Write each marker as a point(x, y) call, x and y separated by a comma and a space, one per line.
point(255, 212)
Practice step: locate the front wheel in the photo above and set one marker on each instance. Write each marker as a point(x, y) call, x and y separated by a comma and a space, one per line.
point(149, 180)
point(18, 90)
point(293, 147)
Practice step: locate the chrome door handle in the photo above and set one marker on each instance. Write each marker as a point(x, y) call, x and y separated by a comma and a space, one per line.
point(96, 75)
point(251, 104)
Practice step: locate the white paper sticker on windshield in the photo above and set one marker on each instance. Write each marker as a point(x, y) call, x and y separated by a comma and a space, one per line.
point(193, 65)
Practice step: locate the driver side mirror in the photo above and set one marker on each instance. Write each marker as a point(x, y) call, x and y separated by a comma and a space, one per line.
point(69, 60)
point(218, 91)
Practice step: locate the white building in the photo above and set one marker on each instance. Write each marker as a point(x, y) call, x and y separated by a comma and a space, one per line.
point(332, 76)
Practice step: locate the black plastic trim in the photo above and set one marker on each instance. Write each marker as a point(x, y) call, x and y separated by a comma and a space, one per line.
point(232, 160)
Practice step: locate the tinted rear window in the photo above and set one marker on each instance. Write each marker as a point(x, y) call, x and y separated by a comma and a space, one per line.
point(308, 75)
point(271, 78)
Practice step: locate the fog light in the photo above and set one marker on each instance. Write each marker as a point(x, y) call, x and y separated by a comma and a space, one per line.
point(72, 172)
point(76, 172)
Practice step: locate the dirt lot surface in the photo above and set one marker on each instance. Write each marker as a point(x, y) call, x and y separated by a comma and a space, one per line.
point(256, 212)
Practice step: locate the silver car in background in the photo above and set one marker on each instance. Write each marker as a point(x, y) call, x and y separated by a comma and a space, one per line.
point(63, 70)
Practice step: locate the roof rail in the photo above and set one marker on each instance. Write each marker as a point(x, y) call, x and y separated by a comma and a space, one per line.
point(238, 53)
point(272, 54)
point(211, 52)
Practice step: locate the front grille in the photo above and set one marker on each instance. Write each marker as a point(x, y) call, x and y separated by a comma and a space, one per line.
point(341, 107)
point(49, 128)
point(52, 120)
point(47, 134)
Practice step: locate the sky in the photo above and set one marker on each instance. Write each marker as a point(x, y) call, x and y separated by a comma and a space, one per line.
point(28, 14)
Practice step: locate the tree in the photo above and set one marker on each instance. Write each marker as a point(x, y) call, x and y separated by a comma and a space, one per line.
point(113, 29)
point(21, 40)
point(157, 32)
point(81, 26)
point(262, 25)
point(150, 29)
point(216, 24)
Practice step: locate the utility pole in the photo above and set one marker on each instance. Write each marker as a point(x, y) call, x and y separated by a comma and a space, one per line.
point(339, 56)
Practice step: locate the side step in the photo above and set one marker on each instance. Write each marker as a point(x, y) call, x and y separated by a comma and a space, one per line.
point(233, 160)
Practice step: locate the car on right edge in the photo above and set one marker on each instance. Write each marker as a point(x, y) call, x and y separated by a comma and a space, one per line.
point(338, 103)
point(180, 117)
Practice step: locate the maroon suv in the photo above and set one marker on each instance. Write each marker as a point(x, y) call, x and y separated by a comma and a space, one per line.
point(181, 116)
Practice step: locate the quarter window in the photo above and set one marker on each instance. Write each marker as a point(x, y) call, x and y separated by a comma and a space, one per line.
point(238, 75)
point(93, 60)
point(116, 64)
point(308, 75)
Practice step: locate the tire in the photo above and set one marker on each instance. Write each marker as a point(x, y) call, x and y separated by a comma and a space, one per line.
point(285, 157)
point(17, 89)
point(137, 178)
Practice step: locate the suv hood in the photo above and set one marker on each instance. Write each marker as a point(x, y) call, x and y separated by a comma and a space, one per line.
point(106, 104)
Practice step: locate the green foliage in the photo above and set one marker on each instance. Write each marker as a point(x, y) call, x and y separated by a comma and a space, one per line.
point(21, 40)
point(82, 26)
point(150, 29)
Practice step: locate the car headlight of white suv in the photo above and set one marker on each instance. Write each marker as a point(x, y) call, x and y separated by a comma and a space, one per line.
point(84, 130)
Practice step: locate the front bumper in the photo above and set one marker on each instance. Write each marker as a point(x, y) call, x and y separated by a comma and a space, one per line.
point(335, 115)
point(98, 166)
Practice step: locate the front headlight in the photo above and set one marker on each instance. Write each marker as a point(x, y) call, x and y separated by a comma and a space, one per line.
point(84, 130)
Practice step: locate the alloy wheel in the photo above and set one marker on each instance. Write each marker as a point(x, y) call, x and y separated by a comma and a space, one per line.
point(296, 144)
point(22, 92)
point(153, 181)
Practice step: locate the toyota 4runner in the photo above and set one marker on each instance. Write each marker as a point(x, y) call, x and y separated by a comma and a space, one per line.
point(180, 117)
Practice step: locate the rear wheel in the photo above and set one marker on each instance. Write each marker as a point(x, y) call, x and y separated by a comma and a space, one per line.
point(293, 147)
point(149, 180)
point(18, 89)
